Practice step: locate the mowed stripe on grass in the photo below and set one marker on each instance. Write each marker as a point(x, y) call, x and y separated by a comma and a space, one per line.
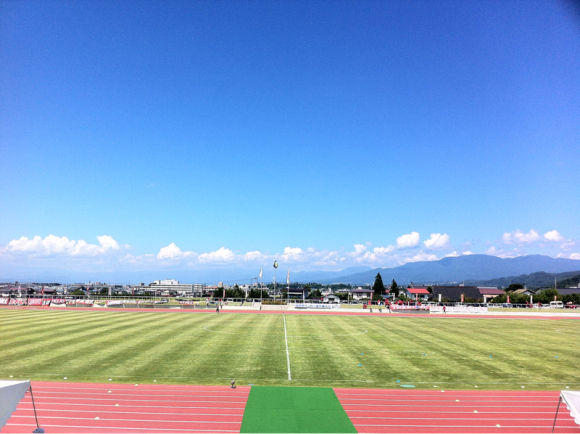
point(75, 407)
point(94, 346)
point(434, 411)
point(324, 350)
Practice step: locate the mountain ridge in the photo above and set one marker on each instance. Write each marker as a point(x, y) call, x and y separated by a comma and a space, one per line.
point(467, 267)
point(446, 270)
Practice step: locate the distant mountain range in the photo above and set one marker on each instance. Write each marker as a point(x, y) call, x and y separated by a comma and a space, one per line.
point(540, 279)
point(488, 270)
point(228, 276)
point(462, 268)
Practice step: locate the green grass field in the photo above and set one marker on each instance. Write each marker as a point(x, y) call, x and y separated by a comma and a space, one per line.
point(324, 350)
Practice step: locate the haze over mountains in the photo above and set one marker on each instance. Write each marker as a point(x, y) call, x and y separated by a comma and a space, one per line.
point(452, 269)
point(468, 267)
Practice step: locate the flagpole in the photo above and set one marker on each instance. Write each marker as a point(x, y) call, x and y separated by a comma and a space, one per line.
point(261, 288)
point(275, 268)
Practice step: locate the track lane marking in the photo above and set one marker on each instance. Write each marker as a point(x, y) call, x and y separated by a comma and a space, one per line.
point(115, 429)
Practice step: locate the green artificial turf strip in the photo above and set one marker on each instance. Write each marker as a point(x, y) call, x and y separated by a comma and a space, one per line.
point(294, 409)
point(325, 350)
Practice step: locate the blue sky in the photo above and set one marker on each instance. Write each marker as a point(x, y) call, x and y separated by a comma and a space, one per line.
point(226, 134)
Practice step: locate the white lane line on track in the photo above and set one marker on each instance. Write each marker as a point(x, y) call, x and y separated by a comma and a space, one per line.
point(108, 398)
point(138, 412)
point(427, 406)
point(490, 427)
point(287, 352)
point(140, 395)
point(141, 406)
point(384, 413)
point(443, 401)
point(116, 429)
point(138, 398)
point(134, 420)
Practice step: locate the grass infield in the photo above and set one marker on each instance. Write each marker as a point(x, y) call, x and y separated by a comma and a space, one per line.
point(295, 409)
point(324, 350)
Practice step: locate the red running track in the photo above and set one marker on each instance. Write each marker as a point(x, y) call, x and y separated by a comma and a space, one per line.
point(454, 411)
point(74, 407)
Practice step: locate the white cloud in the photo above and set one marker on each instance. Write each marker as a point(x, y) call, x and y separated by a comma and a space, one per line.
point(53, 245)
point(408, 240)
point(501, 253)
point(107, 242)
point(569, 255)
point(169, 252)
point(254, 256)
point(293, 254)
point(377, 255)
point(359, 249)
point(568, 245)
point(437, 241)
point(220, 255)
point(553, 236)
point(383, 250)
point(421, 257)
point(519, 237)
point(493, 251)
point(110, 255)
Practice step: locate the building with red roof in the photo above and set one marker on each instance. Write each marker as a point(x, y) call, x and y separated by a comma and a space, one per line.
point(418, 293)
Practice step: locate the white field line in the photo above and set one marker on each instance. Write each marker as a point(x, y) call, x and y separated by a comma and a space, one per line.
point(287, 353)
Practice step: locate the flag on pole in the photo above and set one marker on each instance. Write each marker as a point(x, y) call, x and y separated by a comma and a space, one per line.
point(275, 264)
point(260, 273)
point(288, 277)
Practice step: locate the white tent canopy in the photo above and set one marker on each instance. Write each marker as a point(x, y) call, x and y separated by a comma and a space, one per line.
point(572, 401)
point(11, 392)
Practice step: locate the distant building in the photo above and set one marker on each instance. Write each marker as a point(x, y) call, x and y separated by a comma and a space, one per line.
point(330, 299)
point(453, 293)
point(360, 294)
point(171, 285)
point(489, 292)
point(418, 293)
point(569, 291)
point(299, 293)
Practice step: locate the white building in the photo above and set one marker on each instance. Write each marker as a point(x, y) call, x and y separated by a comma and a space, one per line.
point(171, 285)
